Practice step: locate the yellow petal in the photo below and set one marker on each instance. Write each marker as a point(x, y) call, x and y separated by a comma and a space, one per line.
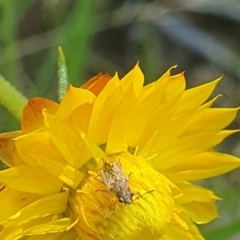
point(117, 138)
point(194, 97)
point(176, 84)
point(50, 161)
point(198, 202)
point(167, 74)
point(67, 173)
point(195, 193)
point(36, 143)
point(66, 235)
point(40, 208)
point(83, 110)
point(68, 143)
point(39, 229)
point(209, 104)
point(147, 104)
point(165, 135)
point(212, 119)
point(175, 232)
point(30, 179)
point(201, 212)
point(134, 77)
point(188, 146)
point(157, 122)
point(96, 151)
point(104, 110)
point(201, 166)
point(40, 223)
point(42, 228)
point(12, 200)
point(74, 98)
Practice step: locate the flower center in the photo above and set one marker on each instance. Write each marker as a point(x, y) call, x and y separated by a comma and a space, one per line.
point(103, 216)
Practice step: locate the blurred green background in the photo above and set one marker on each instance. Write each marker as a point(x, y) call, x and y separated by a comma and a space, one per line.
point(201, 37)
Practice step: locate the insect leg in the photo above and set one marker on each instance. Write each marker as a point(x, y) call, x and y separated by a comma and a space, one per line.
point(99, 179)
point(106, 215)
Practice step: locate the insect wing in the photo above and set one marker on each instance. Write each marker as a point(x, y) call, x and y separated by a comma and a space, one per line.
point(117, 171)
point(107, 178)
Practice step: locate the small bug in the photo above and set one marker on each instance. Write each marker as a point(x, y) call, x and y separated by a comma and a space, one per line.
point(113, 177)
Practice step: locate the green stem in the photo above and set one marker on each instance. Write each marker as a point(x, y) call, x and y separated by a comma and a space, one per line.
point(10, 98)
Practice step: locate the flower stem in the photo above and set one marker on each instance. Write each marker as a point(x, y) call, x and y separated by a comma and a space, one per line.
point(11, 98)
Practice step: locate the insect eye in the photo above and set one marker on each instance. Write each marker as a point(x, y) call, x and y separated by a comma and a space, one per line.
point(121, 200)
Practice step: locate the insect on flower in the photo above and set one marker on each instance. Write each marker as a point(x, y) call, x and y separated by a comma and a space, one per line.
point(112, 175)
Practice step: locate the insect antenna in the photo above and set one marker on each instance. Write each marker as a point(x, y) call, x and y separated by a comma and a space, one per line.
point(141, 195)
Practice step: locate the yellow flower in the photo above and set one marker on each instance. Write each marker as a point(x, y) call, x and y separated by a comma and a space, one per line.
point(70, 160)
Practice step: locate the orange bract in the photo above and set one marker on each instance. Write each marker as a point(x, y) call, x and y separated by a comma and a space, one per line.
point(97, 83)
point(7, 146)
point(32, 117)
